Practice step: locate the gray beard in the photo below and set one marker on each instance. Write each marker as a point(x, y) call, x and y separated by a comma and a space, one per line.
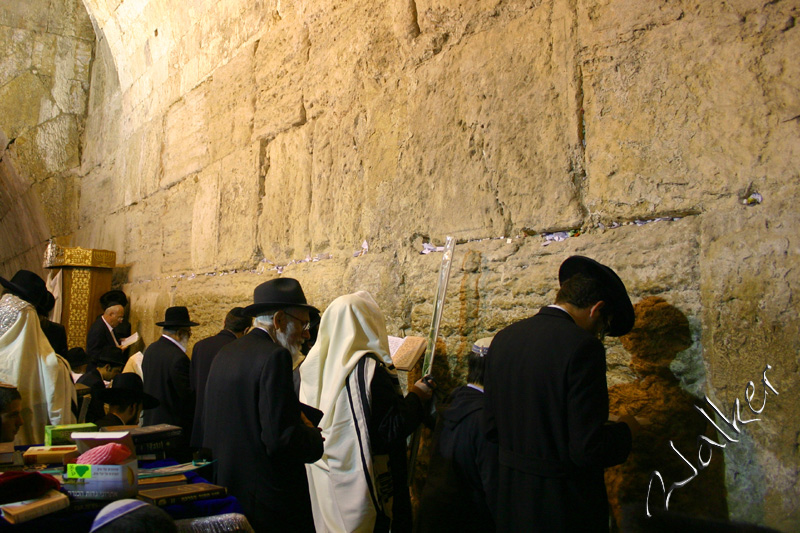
point(282, 338)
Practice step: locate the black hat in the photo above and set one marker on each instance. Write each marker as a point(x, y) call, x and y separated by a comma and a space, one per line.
point(276, 294)
point(125, 386)
point(27, 285)
point(622, 315)
point(112, 298)
point(176, 317)
point(47, 303)
point(111, 355)
point(77, 357)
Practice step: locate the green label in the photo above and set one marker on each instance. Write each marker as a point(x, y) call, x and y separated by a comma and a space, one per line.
point(79, 471)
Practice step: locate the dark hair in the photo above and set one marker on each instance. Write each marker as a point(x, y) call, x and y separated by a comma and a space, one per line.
point(124, 401)
point(476, 366)
point(582, 291)
point(236, 321)
point(8, 395)
point(147, 519)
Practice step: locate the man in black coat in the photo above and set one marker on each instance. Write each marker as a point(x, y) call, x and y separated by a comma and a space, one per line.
point(460, 492)
point(165, 371)
point(203, 354)
point(251, 415)
point(547, 405)
point(101, 332)
point(110, 362)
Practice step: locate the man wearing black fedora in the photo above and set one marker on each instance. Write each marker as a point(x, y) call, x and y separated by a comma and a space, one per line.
point(547, 405)
point(165, 371)
point(28, 360)
point(103, 331)
point(126, 399)
point(252, 419)
point(109, 363)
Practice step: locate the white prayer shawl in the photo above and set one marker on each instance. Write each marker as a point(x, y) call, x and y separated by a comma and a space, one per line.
point(342, 484)
point(28, 362)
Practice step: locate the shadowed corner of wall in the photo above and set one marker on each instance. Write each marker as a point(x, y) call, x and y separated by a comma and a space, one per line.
point(660, 333)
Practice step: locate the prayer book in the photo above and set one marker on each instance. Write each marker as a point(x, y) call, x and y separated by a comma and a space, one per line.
point(124, 343)
point(23, 511)
point(182, 494)
point(6, 452)
point(50, 454)
point(406, 351)
point(162, 482)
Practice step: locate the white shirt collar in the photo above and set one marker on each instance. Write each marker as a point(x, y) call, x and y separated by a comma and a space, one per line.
point(176, 343)
point(111, 330)
point(476, 387)
point(558, 307)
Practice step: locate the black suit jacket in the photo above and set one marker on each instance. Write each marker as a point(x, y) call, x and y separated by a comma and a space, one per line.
point(203, 355)
point(251, 420)
point(94, 381)
point(547, 407)
point(97, 338)
point(165, 372)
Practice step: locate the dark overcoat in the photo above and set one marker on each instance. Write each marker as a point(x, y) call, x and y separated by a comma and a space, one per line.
point(165, 372)
point(547, 407)
point(460, 490)
point(203, 355)
point(94, 381)
point(56, 334)
point(97, 338)
point(251, 421)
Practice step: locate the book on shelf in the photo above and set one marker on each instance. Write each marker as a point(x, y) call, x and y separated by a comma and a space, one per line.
point(50, 454)
point(182, 493)
point(162, 482)
point(50, 502)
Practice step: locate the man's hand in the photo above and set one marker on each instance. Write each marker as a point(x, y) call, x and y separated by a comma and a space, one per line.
point(633, 424)
point(424, 388)
point(308, 422)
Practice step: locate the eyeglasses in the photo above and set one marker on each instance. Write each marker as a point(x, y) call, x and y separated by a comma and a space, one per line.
point(306, 324)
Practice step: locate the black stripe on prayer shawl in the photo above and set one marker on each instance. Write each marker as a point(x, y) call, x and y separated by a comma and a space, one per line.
point(360, 369)
point(365, 398)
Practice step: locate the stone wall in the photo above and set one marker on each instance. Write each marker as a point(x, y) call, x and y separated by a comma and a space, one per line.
point(46, 51)
point(226, 144)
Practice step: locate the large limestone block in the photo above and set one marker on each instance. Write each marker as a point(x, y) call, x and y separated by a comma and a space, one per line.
point(239, 183)
point(58, 142)
point(675, 106)
point(60, 202)
point(492, 136)
point(143, 237)
point(15, 57)
point(141, 161)
point(99, 194)
point(749, 277)
point(25, 224)
point(283, 227)
point(281, 61)
point(231, 113)
point(31, 15)
point(186, 141)
point(175, 224)
point(20, 101)
point(205, 220)
point(70, 19)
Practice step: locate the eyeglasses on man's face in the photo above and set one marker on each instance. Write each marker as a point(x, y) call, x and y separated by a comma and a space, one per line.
point(305, 324)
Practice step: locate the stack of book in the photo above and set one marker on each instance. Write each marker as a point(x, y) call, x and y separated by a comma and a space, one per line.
point(50, 454)
point(182, 493)
point(23, 511)
point(153, 442)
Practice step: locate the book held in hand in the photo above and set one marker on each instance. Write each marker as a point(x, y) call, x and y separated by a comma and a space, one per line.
point(182, 494)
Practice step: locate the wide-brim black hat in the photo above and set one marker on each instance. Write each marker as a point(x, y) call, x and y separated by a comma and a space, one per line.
point(177, 317)
point(111, 355)
point(112, 298)
point(622, 315)
point(27, 285)
point(277, 294)
point(77, 357)
point(126, 386)
point(47, 303)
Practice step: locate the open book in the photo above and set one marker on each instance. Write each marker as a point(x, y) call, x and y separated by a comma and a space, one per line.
point(406, 351)
point(127, 341)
